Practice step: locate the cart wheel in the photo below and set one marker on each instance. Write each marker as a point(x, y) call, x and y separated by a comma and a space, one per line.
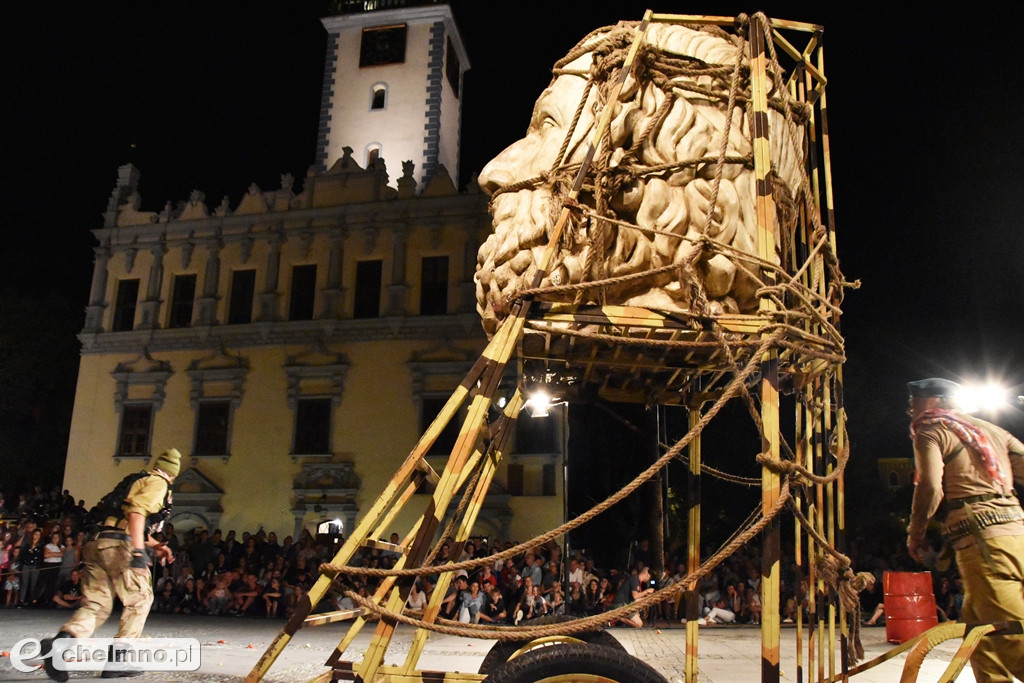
point(575, 663)
point(502, 651)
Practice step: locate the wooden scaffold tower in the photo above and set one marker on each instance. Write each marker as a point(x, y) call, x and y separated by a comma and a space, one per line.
point(775, 332)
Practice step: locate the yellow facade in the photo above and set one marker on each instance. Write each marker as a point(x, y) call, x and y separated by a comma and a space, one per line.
point(292, 345)
point(377, 371)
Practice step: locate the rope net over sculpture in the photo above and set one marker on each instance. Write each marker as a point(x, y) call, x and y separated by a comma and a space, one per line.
point(666, 218)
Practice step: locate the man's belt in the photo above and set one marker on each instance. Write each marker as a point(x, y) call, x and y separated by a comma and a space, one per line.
point(984, 518)
point(957, 503)
point(112, 534)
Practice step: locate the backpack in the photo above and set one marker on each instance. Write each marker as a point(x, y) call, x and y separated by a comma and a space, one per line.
point(110, 504)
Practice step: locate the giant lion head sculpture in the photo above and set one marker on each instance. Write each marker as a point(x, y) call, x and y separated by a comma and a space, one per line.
point(655, 178)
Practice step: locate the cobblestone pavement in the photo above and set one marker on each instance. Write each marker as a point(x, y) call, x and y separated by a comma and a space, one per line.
point(231, 646)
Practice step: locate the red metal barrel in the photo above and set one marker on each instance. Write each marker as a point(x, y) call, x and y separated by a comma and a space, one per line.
point(909, 605)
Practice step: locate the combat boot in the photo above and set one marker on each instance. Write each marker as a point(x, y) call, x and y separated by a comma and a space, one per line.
point(46, 650)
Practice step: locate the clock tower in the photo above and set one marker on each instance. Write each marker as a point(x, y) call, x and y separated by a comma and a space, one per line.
point(392, 87)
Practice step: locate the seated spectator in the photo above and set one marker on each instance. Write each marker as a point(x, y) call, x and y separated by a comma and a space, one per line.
point(272, 597)
point(166, 599)
point(486, 578)
point(218, 598)
point(575, 573)
point(556, 603)
point(551, 574)
point(452, 602)
point(472, 603)
point(494, 611)
point(537, 606)
point(608, 591)
point(419, 594)
point(574, 602)
point(592, 597)
point(718, 614)
point(879, 613)
point(69, 595)
point(753, 603)
point(673, 607)
point(244, 598)
point(523, 600)
point(293, 601)
point(189, 602)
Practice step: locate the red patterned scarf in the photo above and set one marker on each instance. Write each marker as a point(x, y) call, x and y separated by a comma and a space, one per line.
point(971, 437)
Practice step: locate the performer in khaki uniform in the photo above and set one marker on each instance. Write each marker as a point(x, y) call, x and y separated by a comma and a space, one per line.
point(116, 562)
point(970, 467)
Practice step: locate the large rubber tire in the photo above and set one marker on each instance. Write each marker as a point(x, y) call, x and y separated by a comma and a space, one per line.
point(503, 649)
point(575, 664)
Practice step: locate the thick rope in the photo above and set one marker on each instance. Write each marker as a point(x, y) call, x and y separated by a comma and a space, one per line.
point(731, 390)
point(586, 623)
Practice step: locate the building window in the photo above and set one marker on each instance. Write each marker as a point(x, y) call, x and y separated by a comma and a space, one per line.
point(316, 381)
point(430, 406)
point(548, 480)
point(515, 479)
point(243, 288)
point(312, 426)
point(136, 425)
point(531, 479)
point(538, 435)
point(372, 154)
point(183, 297)
point(124, 307)
point(451, 67)
point(434, 286)
point(894, 480)
point(367, 295)
point(303, 293)
point(213, 425)
point(378, 96)
point(382, 45)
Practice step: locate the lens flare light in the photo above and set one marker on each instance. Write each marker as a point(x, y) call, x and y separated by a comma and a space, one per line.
point(989, 397)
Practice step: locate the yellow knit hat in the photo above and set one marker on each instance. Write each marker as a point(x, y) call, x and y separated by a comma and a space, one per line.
point(169, 462)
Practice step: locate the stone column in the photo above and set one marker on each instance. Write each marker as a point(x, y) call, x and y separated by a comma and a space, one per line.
point(398, 288)
point(467, 287)
point(97, 296)
point(211, 282)
point(334, 294)
point(151, 305)
point(269, 297)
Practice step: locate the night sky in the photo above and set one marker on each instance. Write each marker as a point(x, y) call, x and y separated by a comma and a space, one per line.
point(924, 109)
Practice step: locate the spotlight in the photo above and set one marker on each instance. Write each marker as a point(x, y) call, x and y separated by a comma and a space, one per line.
point(987, 398)
point(539, 403)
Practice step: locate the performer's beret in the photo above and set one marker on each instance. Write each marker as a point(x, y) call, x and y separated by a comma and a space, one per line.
point(933, 386)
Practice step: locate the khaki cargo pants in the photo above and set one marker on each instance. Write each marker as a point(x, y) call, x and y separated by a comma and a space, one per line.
point(108, 573)
point(995, 593)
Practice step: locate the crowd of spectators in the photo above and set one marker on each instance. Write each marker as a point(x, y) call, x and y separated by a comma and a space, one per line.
point(255, 574)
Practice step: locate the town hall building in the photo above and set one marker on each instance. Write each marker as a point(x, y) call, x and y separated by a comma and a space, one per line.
point(294, 344)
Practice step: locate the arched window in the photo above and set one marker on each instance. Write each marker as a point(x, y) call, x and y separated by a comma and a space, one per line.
point(372, 154)
point(378, 96)
point(894, 480)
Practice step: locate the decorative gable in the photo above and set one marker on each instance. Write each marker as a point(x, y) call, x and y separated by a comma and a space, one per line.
point(142, 378)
